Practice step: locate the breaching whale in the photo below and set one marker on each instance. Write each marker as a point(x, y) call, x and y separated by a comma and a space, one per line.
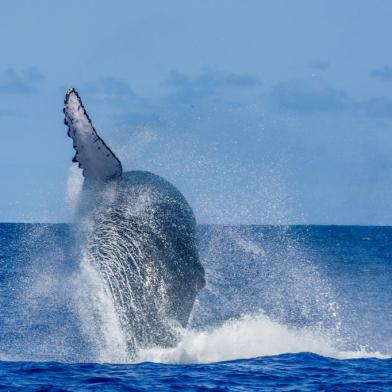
point(139, 233)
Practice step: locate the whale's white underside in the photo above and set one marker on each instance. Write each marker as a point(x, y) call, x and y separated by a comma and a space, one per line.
point(95, 158)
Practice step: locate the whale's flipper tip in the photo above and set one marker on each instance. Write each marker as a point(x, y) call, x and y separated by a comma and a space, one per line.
point(70, 91)
point(95, 158)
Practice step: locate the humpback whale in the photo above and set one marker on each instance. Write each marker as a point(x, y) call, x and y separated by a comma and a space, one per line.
point(138, 231)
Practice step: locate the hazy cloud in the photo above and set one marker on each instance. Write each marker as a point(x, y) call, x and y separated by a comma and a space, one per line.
point(316, 96)
point(309, 96)
point(20, 82)
point(207, 83)
point(116, 100)
point(383, 73)
point(302, 96)
point(112, 90)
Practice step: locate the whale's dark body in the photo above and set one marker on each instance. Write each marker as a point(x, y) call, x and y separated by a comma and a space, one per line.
point(139, 233)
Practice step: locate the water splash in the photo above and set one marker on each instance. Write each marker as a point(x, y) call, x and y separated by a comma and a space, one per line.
point(276, 302)
point(251, 270)
point(264, 296)
point(99, 321)
point(249, 337)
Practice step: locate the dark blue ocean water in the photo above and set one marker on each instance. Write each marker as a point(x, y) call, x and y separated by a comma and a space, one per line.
point(285, 308)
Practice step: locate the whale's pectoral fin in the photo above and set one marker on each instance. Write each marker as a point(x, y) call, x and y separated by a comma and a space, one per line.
point(95, 158)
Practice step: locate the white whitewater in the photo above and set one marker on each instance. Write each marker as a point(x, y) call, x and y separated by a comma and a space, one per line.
point(249, 337)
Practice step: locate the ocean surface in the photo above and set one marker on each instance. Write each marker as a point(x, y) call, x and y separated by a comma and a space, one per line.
point(285, 308)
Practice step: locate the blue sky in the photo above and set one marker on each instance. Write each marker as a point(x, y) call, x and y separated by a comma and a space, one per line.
point(259, 112)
